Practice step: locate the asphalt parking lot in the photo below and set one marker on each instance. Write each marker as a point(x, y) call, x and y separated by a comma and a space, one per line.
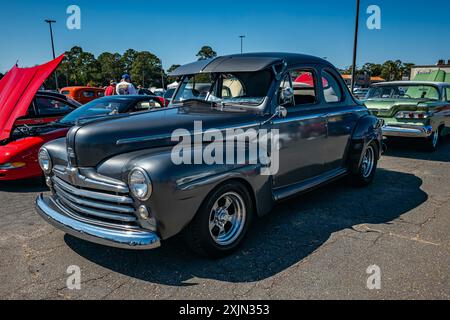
point(315, 246)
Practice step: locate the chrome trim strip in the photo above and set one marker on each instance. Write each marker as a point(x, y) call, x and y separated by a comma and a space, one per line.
point(80, 201)
point(346, 111)
point(91, 194)
point(132, 239)
point(87, 219)
point(289, 191)
point(300, 118)
point(96, 213)
point(407, 131)
point(73, 176)
point(143, 139)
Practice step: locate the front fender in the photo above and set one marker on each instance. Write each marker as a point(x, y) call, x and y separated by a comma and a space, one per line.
point(179, 190)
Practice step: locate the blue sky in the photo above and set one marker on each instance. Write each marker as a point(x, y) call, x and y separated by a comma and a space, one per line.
point(412, 30)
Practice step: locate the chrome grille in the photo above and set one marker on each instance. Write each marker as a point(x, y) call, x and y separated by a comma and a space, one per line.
point(100, 205)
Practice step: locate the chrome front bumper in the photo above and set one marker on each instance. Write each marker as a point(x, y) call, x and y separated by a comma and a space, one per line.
point(119, 238)
point(407, 131)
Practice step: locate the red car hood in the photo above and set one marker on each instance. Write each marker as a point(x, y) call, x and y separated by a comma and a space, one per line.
point(17, 90)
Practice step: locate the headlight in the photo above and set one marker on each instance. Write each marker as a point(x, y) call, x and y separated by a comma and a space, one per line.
point(45, 161)
point(412, 115)
point(140, 184)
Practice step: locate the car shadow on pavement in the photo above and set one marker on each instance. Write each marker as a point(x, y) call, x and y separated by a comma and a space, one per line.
point(413, 149)
point(23, 186)
point(295, 229)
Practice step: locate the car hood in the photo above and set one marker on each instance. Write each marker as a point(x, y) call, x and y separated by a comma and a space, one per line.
point(390, 107)
point(17, 90)
point(97, 141)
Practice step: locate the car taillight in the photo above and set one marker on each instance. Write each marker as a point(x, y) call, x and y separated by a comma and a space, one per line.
point(412, 115)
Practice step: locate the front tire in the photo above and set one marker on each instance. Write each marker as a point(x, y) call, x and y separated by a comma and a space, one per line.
point(368, 167)
point(222, 221)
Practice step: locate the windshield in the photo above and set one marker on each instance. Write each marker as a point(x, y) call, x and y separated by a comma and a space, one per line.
point(240, 88)
point(413, 91)
point(97, 108)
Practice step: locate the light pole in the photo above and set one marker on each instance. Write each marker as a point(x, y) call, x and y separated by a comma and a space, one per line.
point(355, 45)
point(162, 74)
point(53, 48)
point(242, 44)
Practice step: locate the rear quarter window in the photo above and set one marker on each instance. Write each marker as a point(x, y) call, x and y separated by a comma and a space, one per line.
point(331, 88)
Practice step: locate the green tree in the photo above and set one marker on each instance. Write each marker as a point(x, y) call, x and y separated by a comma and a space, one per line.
point(373, 69)
point(79, 68)
point(146, 70)
point(127, 60)
point(111, 66)
point(206, 52)
point(392, 70)
point(406, 69)
point(171, 69)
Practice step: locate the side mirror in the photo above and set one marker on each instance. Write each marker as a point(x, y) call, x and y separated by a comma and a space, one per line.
point(287, 95)
point(281, 112)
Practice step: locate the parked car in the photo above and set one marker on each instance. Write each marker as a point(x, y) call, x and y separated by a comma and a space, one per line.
point(115, 181)
point(412, 109)
point(19, 151)
point(19, 154)
point(83, 94)
point(360, 93)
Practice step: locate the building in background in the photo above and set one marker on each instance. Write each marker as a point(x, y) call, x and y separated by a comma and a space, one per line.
point(439, 72)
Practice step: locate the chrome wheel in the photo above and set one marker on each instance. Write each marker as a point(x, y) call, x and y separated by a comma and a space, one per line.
point(368, 162)
point(227, 218)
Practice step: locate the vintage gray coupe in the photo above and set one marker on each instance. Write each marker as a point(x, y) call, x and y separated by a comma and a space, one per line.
point(119, 182)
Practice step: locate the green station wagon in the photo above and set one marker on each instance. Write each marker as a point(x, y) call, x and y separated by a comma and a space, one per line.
point(412, 109)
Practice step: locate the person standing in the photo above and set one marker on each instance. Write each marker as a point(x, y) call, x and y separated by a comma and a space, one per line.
point(111, 89)
point(125, 87)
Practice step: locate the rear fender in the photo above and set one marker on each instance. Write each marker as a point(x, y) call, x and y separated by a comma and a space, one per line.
point(367, 130)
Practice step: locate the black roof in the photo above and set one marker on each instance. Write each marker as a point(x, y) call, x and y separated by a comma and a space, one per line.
point(248, 62)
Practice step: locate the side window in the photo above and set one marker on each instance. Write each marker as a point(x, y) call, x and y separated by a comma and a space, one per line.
point(331, 88)
point(100, 94)
point(447, 90)
point(305, 91)
point(48, 107)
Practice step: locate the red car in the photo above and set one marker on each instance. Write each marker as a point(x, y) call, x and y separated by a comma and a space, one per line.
point(24, 112)
point(28, 119)
point(18, 153)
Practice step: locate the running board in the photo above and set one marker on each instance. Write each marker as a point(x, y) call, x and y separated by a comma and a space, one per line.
point(307, 185)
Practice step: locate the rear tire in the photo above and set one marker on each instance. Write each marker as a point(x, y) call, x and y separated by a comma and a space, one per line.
point(368, 167)
point(432, 142)
point(222, 222)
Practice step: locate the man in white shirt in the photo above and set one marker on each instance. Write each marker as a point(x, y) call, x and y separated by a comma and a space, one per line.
point(125, 87)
